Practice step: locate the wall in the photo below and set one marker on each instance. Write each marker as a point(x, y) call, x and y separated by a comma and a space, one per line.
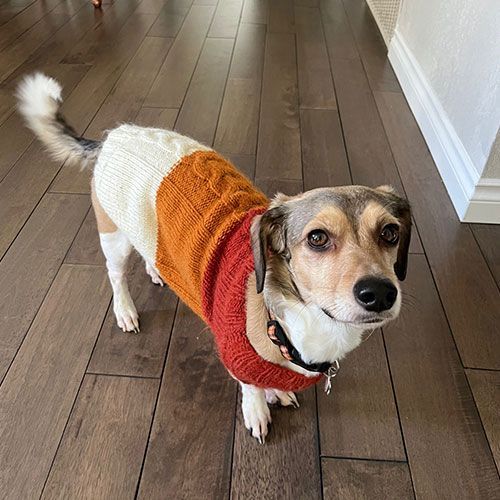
point(446, 54)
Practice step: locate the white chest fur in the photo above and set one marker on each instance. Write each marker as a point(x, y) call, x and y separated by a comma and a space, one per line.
point(317, 337)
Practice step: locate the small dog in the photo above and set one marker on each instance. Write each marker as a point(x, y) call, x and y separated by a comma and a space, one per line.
point(288, 287)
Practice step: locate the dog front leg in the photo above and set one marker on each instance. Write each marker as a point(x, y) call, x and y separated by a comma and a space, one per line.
point(256, 414)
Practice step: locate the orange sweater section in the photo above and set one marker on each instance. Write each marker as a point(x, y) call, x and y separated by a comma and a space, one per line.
point(197, 205)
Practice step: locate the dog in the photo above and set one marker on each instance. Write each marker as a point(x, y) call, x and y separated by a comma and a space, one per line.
point(288, 286)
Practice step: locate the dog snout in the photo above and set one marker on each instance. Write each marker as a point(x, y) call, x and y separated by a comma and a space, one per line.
point(375, 294)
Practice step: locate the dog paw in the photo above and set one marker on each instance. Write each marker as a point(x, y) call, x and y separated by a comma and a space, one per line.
point(274, 396)
point(257, 418)
point(154, 275)
point(127, 319)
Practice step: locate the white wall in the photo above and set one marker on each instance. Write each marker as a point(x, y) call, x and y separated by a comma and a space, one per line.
point(446, 54)
point(457, 44)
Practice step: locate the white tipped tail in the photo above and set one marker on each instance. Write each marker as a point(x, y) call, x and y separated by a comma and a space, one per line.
point(39, 99)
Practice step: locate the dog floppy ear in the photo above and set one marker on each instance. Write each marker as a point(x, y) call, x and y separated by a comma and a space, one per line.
point(404, 216)
point(268, 235)
point(401, 209)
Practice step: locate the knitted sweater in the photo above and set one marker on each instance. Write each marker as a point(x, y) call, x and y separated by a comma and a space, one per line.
point(188, 211)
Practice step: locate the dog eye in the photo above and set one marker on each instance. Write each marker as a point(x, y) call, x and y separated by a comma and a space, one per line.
point(317, 239)
point(390, 234)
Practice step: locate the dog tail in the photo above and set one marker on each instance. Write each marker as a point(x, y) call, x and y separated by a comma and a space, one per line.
point(39, 101)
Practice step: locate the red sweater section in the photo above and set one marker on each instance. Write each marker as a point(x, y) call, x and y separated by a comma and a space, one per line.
point(224, 308)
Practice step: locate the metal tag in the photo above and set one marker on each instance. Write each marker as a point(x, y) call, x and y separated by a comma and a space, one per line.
point(332, 372)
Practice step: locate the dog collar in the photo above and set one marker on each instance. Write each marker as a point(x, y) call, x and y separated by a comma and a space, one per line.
point(278, 337)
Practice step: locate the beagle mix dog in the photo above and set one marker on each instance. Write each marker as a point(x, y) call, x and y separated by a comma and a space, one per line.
point(288, 287)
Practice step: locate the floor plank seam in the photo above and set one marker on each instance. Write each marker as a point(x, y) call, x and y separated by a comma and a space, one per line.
point(492, 455)
point(228, 70)
point(403, 440)
point(318, 435)
point(122, 375)
point(484, 257)
point(231, 461)
point(48, 288)
point(165, 361)
point(344, 143)
point(195, 66)
point(364, 459)
point(74, 401)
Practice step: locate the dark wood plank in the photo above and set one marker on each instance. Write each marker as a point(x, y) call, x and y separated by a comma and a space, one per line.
point(21, 190)
point(239, 117)
point(105, 72)
point(15, 54)
point(139, 355)
point(11, 9)
point(338, 35)
point(488, 238)
point(270, 187)
point(125, 101)
point(157, 117)
point(485, 387)
point(170, 18)
point(15, 27)
point(469, 293)
point(281, 17)
point(171, 84)
point(323, 152)
point(88, 49)
point(365, 480)
point(42, 383)
point(28, 268)
point(359, 418)
point(278, 152)
point(438, 416)
point(198, 115)
point(244, 163)
point(226, 19)
point(189, 450)
point(369, 152)
point(255, 11)
point(370, 157)
point(371, 47)
point(315, 78)
point(47, 57)
point(260, 471)
point(98, 82)
point(101, 451)
point(86, 248)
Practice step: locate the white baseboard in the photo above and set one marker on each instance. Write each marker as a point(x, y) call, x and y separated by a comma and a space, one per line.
point(485, 203)
point(474, 200)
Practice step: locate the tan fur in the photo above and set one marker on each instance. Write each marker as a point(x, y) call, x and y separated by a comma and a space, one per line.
point(334, 272)
point(104, 223)
point(257, 317)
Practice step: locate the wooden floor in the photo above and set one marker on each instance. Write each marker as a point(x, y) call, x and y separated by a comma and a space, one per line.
point(299, 95)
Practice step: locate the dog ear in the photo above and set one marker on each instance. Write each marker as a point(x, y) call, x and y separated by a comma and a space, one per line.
point(268, 234)
point(403, 213)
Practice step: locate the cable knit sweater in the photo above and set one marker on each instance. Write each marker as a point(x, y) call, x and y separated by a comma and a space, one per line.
point(188, 211)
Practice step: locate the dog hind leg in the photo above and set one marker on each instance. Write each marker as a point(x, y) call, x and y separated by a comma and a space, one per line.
point(116, 248)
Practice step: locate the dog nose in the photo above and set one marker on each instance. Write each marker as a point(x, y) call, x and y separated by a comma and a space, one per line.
point(375, 294)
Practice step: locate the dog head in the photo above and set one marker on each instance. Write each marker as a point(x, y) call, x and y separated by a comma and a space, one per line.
point(343, 249)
